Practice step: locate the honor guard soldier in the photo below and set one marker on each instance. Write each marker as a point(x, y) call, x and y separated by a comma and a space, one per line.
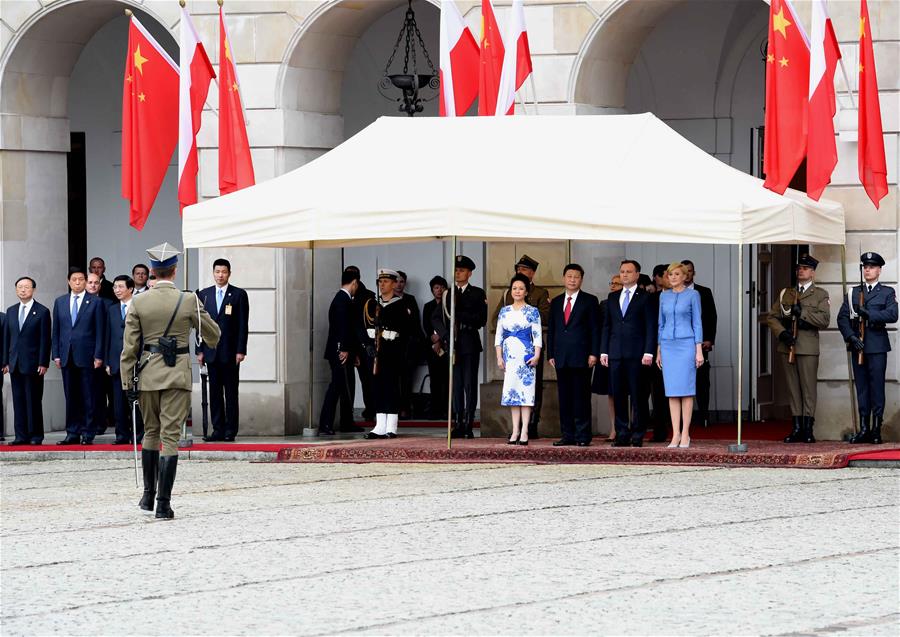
point(161, 319)
point(540, 298)
point(862, 320)
point(471, 316)
point(390, 324)
point(795, 320)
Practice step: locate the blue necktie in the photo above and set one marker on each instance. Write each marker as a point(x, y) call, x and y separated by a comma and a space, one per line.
point(74, 309)
point(625, 302)
point(22, 315)
point(219, 300)
point(123, 311)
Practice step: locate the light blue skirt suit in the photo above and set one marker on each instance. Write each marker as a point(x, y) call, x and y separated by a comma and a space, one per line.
point(680, 330)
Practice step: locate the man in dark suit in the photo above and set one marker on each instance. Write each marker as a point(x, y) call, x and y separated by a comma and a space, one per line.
point(573, 343)
point(339, 350)
point(627, 343)
point(123, 287)
point(436, 352)
point(2, 373)
point(229, 307)
point(104, 411)
point(26, 357)
point(471, 316)
point(140, 273)
point(414, 343)
point(79, 324)
point(98, 266)
point(710, 320)
point(365, 361)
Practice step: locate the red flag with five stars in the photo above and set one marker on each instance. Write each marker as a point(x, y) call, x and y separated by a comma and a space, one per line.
point(787, 85)
point(491, 60)
point(235, 163)
point(149, 120)
point(872, 165)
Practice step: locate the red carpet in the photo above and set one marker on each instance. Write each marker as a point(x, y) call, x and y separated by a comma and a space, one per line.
point(881, 454)
point(197, 446)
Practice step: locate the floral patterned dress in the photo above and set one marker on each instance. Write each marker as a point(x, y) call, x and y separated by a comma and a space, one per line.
point(519, 333)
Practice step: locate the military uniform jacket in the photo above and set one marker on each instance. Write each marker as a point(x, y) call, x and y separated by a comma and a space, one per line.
point(471, 316)
point(396, 321)
point(882, 305)
point(815, 314)
point(537, 297)
point(147, 317)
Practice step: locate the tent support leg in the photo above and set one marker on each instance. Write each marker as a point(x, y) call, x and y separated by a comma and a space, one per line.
point(740, 447)
point(452, 352)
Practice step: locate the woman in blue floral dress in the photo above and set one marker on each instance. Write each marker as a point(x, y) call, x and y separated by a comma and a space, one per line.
point(518, 343)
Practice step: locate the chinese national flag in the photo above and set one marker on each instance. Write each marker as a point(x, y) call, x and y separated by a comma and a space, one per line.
point(235, 163)
point(787, 86)
point(491, 60)
point(149, 120)
point(872, 165)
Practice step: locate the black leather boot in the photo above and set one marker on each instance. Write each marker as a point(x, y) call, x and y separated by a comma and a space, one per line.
point(863, 435)
point(875, 438)
point(796, 434)
point(150, 466)
point(167, 468)
point(808, 423)
point(468, 432)
point(459, 430)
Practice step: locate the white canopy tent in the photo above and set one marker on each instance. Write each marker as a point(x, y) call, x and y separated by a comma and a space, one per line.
point(618, 178)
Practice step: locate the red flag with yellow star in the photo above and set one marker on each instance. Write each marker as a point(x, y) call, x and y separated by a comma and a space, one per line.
point(787, 85)
point(235, 163)
point(872, 165)
point(149, 120)
point(491, 60)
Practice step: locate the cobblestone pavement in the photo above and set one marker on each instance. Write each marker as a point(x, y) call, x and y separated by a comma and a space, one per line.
point(260, 549)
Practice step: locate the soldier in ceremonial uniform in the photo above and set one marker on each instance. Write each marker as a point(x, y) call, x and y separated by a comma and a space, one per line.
point(862, 320)
point(540, 298)
point(795, 320)
point(471, 316)
point(390, 324)
point(161, 319)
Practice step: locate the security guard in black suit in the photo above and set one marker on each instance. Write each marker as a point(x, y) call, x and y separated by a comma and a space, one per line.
point(862, 320)
point(471, 316)
point(363, 359)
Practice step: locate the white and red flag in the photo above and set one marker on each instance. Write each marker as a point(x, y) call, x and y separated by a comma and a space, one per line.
point(196, 73)
point(459, 63)
point(516, 62)
point(871, 158)
point(821, 151)
point(235, 162)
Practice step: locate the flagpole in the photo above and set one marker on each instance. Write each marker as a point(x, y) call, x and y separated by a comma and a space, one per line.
point(847, 82)
point(740, 447)
point(533, 92)
point(451, 353)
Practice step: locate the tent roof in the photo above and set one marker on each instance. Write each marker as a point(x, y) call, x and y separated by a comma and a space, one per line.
point(593, 178)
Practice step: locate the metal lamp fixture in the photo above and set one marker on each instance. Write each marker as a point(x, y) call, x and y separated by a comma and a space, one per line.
point(409, 81)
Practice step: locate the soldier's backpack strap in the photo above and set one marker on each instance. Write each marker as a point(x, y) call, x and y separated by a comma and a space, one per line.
point(168, 345)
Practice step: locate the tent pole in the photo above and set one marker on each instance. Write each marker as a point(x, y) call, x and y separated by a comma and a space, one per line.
point(740, 447)
point(312, 296)
point(853, 409)
point(452, 352)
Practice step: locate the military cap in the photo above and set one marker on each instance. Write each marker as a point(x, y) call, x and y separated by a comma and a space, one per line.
point(527, 262)
point(387, 273)
point(462, 261)
point(163, 256)
point(805, 259)
point(871, 258)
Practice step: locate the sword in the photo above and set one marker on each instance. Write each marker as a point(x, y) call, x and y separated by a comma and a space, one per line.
point(134, 381)
point(204, 397)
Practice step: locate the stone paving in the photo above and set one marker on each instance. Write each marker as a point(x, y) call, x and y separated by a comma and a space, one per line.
point(259, 549)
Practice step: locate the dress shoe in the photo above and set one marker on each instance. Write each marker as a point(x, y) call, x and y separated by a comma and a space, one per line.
point(70, 440)
point(391, 435)
point(19, 443)
point(458, 433)
point(326, 431)
point(38, 442)
point(229, 438)
point(214, 437)
point(564, 443)
point(621, 443)
point(374, 436)
point(121, 441)
point(637, 443)
point(87, 441)
point(583, 444)
point(470, 435)
point(351, 429)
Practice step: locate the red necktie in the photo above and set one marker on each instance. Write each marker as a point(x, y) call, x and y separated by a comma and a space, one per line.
point(568, 311)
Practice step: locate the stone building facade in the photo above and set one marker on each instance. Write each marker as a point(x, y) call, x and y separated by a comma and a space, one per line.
point(308, 70)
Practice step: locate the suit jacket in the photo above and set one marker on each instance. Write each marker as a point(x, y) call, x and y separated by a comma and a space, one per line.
point(29, 348)
point(571, 344)
point(708, 315)
point(632, 335)
point(815, 314)
point(471, 316)
point(341, 337)
point(146, 321)
point(882, 305)
point(234, 327)
point(84, 341)
point(106, 290)
point(115, 333)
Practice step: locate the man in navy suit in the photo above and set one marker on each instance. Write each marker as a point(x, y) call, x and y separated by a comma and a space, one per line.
point(573, 343)
point(627, 341)
point(2, 364)
point(123, 288)
point(229, 307)
point(339, 352)
point(26, 357)
point(79, 324)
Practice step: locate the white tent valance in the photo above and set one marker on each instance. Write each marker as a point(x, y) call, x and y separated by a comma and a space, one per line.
point(590, 178)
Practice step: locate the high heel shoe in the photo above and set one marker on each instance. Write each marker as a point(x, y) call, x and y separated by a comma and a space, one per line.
point(522, 443)
point(673, 444)
point(513, 441)
point(685, 445)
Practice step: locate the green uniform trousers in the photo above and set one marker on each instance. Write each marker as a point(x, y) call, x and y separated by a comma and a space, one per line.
point(164, 412)
point(802, 383)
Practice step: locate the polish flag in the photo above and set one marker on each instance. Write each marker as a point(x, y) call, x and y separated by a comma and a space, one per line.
point(492, 51)
point(821, 151)
point(195, 75)
point(459, 63)
point(516, 68)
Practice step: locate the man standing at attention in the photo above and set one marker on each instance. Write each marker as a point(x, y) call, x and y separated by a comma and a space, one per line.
point(471, 316)
point(229, 308)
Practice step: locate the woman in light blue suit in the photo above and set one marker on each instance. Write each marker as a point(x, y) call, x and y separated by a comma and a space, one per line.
point(680, 353)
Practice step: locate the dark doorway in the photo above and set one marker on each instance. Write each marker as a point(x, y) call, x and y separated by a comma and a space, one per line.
point(76, 168)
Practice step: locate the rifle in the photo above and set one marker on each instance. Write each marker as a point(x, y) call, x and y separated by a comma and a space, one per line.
point(377, 335)
point(860, 357)
point(792, 353)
